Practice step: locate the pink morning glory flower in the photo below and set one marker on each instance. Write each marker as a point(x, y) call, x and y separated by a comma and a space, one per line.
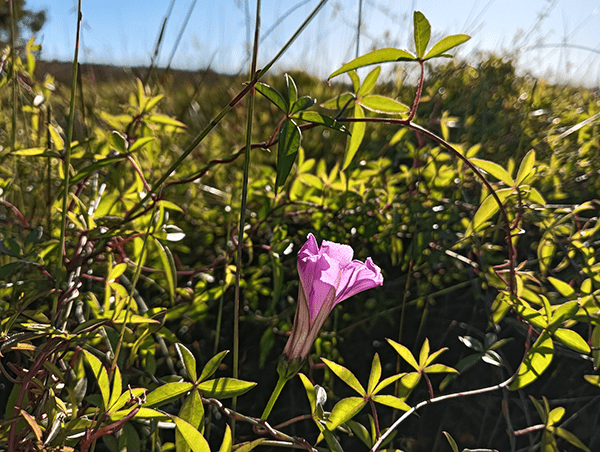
point(328, 276)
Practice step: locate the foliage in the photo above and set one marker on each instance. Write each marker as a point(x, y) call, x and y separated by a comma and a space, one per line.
point(118, 281)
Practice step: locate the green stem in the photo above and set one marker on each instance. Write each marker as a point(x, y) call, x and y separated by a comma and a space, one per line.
point(278, 387)
point(67, 163)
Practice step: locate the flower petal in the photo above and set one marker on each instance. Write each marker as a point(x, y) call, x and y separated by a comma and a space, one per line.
point(356, 277)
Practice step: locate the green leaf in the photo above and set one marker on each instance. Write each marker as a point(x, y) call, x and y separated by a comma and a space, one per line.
point(310, 392)
point(292, 91)
point(140, 142)
point(572, 340)
point(168, 264)
point(248, 445)
point(565, 311)
point(488, 208)
point(422, 33)
point(223, 388)
point(532, 316)
point(439, 369)
point(389, 400)
point(143, 413)
point(101, 376)
point(361, 432)
point(302, 104)
point(337, 103)
point(405, 354)
point(596, 345)
point(318, 118)
point(345, 375)
point(116, 271)
point(344, 410)
point(358, 132)
point(370, 81)
point(227, 443)
point(30, 152)
point(525, 167)
point(424, 353)
point(289, 143)
point(188, 360)
point(445, 44)
point(555, 415)
point(152, 103)
point(59, 143)
point(165, 120)
point(536, 362)
point(355, 80)
point(570, 437)
point(375, 57)
point(451, 441)
point(593, 379)
point(562, 287)
point(273, 95)
point(382, 104)
point(386, 382)
point(212, 365)
point(375, 374)
point(117, 387)
point(191, 435)
point(495, 170)
point(85, 172)
point(118, 141)
point(192, 411)
point(167, 393)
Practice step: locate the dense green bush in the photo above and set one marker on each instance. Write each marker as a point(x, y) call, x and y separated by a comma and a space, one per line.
point(119, 279)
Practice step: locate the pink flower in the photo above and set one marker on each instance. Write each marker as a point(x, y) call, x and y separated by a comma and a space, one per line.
point(328, 275)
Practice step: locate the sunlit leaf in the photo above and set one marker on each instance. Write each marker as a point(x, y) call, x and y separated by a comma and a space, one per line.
point(344, 410)
point(375, 57)
point(369, 82)
point(339, 102)
point(535, 363)
point(422, 33)
point(167, 393)
point(488, 208)
point(345, 375)
point(191, 435)
point(249, 445)
point(389, 400)
point(382, 104)
point(310, 392)
point(227, 443)
point(562, 287)
point(212, 365)
point(358, 133)
point(572, 340)
point(405, 354)
point(164, 120)
point(188, 360)
point(495, 170)
point(526, 167)
point(223, 388)
point(375, 374)
point(192, 411)
point(445, 44)
point(101, 376)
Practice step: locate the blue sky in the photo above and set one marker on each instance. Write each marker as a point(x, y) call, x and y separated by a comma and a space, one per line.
point(124, 32)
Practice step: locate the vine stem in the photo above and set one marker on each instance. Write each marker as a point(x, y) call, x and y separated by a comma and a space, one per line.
point(433, 400)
